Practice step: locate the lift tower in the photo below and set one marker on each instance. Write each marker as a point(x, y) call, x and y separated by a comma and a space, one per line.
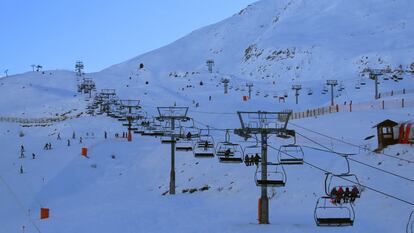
point(264, 124)
point(332, 83)
point(297, 88)
point(226, 82)
point(130, 110)
point(373, 75)
point(210, 64)
point(172, 114)
point(250, 86)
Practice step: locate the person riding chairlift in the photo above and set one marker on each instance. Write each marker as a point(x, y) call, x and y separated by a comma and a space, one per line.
point(347, 195)
point(247, 160)
point(205, 145)
point(188, 136)
point(257, 159)
point(354, 194)
point(227, 153)
point(340, 195)
point(333, 195)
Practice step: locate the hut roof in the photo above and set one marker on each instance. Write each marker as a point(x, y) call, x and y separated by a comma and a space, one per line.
point(386, 123)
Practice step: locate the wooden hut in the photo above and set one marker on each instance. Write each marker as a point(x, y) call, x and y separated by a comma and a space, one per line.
point(385, 134)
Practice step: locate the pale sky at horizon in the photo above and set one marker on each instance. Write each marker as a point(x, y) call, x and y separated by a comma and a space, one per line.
point(101, 33)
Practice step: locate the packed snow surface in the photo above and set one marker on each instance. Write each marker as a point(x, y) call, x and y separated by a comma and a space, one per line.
point(271, 44)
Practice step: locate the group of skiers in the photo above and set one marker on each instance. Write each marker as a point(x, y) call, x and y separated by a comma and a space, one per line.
point(48, 146)
point(22, 150)
point(339, 195)
point(252, 160)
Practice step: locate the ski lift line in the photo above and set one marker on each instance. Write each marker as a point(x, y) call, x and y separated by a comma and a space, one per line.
point(329, 151)
point(351, 181)
point(214, 113)
point(357, 161)
point(19, 203)
point(212, 128)
point(348, 143)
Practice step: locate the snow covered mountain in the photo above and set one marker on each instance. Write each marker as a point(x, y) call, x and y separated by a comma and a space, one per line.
point(271, 44)
point(293, 39)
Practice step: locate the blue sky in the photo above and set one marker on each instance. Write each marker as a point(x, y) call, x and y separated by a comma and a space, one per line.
point(56, 33)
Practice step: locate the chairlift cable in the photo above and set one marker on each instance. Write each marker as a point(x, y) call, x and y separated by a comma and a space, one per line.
point(362, 185)
point(19, 203)
point(357, 161)
point(349, 143)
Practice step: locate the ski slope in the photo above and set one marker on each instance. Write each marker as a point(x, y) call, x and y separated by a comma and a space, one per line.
point(325, 39)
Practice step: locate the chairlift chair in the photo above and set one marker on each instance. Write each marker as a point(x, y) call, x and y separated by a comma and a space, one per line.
point(346, 180)
point(310, 92)
point(329, 214)
point(252, 150)
point(291, 154)
point(189, 127)
point(276, 176)
point(184, 145)
point(204, 147)
point(166, 139)
point(153, 129)
point(229, 152)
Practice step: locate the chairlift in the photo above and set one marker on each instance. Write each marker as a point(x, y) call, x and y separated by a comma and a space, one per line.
point(291, 154)
point(330, 214)
point(410, 224)
point(185, 141)
point(357, 86)
point(251, 151)
point(276, 176)
point(153, 129)
point(310, 92)
point(346, 180)
point(188, 129)
point(204, 147)
point(140, 129)
point(229, 152)
point(184, 145)
point(362, 82)
point(167, 139)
